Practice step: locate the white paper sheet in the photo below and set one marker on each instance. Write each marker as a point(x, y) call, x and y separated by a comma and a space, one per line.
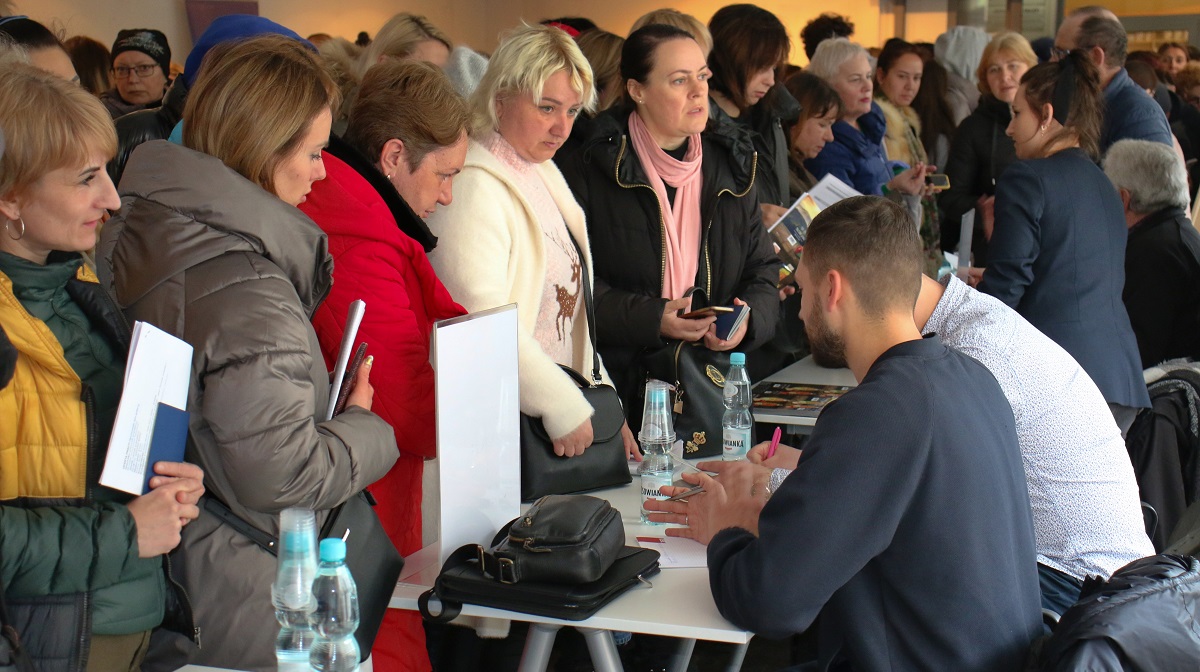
point(676, 552)
point(158, 370)
point(829, 190)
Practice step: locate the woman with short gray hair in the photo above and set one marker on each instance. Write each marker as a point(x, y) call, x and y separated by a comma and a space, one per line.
point(515, 233)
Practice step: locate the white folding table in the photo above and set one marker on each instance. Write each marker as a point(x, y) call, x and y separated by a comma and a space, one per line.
point(677, 604)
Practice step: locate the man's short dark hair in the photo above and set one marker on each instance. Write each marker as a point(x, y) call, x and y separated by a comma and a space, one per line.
point(873, 242)
point(1109, 35)
point(822, 28)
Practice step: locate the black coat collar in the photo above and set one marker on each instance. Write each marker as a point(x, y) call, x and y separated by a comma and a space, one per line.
point(408, 221)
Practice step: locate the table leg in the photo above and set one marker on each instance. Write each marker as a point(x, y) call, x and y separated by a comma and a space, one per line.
point(603, 649)
point(682, 656)
point(538, 644)
point(739, 655)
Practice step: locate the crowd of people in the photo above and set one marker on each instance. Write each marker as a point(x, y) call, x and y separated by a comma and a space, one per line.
point(243, 201)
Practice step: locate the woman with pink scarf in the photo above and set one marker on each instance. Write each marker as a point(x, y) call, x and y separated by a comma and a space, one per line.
point(670, 205)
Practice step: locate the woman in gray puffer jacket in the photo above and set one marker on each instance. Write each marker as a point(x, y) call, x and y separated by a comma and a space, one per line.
point(209, 246)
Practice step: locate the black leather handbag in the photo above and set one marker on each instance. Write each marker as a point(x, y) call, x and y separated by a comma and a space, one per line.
point(564, 558)
point(697, 375)
point(604, 463)
point(371, 557)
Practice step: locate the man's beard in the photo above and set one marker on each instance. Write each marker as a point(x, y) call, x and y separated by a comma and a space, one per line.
point(828, 348)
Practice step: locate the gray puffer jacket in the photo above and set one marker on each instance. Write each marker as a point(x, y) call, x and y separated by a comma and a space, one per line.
point(203, 253)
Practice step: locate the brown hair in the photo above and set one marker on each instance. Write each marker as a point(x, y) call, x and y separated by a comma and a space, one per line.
point(603, 51)
point(1086, 101)
point(411, 101)
point(874, 244)
point(92, 63)
point(815, 95)
point(49, 123)
point(252, 105)
point(746, 39)
point(1188, 77)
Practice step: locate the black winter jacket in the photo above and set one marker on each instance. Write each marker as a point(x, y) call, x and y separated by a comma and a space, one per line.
point(145, 125)
point(767, 127)
point(979, 152)
point(1143, 618)
point(625, 228)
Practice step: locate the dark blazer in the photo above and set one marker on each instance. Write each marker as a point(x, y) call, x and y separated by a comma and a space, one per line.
point(625, 231)
point(1058, 257)
point(1130, 113)
point(1162, 286)
point(979, 152)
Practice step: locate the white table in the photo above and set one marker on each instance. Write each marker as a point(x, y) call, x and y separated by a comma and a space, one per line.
point(805, 372)
point(679, 604)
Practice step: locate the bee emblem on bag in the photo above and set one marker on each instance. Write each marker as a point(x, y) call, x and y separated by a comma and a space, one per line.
point(715, 375)
point(698, 439)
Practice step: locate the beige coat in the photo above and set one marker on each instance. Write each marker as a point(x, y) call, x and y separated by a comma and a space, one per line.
point(491, 253)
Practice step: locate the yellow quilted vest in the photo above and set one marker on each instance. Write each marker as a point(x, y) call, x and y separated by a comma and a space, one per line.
point(43, 419)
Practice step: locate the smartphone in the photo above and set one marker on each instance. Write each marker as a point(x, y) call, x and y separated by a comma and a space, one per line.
point(710, 311)
point(938, 181)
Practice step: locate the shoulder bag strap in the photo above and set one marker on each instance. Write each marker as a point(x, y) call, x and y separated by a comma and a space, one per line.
point(590, 307)
point(223, 513)
point(450, 608)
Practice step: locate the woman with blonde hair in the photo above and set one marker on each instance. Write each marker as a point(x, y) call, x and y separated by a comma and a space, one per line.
point(210, 246)
point(406, 35)
point(980, 149)
point(603, 52)
point(83, 563)
point(515, 233)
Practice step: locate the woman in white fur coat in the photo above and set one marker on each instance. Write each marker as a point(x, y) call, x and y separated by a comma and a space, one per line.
point(510, 235)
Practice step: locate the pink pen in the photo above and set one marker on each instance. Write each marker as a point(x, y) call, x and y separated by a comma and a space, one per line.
point(774, 443)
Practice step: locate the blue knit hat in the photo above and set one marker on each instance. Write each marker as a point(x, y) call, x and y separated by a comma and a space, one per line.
point(232, 27)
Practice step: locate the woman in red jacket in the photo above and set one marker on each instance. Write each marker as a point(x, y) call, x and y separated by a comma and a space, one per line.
point(405, 142)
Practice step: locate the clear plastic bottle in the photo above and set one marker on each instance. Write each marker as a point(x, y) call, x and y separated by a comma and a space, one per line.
point(336, 616)
point(656, 436)
point(291, 594)
point(736, 423)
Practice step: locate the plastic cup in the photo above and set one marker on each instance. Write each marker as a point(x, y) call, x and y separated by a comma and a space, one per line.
point(657, 425)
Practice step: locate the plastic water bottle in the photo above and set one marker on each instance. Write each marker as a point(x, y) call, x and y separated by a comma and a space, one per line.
point(291, 594)
point(656, 436)
point(336, 617)
point(736, 422)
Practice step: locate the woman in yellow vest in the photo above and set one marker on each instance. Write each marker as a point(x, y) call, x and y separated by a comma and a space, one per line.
point(81, 565)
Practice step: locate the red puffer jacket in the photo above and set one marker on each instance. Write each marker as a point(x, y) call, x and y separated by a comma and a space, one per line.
point(378, 246)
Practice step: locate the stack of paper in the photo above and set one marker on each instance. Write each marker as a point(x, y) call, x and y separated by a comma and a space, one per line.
point(151, 423)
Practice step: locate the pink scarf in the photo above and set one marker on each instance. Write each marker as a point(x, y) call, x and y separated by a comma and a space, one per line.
point(682, 220)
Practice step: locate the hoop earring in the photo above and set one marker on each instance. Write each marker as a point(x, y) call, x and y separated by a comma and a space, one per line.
point(19, 235)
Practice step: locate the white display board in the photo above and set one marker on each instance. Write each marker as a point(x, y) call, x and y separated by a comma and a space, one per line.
point(478, 432)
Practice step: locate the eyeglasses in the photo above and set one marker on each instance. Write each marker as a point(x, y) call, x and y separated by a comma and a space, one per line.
point(1058, 53)
point(142, 71)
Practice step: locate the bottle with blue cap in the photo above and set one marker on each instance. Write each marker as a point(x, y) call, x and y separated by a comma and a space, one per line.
point(737, 422)
point(291, 594)
point(336, 616)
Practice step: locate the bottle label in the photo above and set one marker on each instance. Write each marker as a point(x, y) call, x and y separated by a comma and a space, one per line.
point(652, 482)
point(735, 443)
